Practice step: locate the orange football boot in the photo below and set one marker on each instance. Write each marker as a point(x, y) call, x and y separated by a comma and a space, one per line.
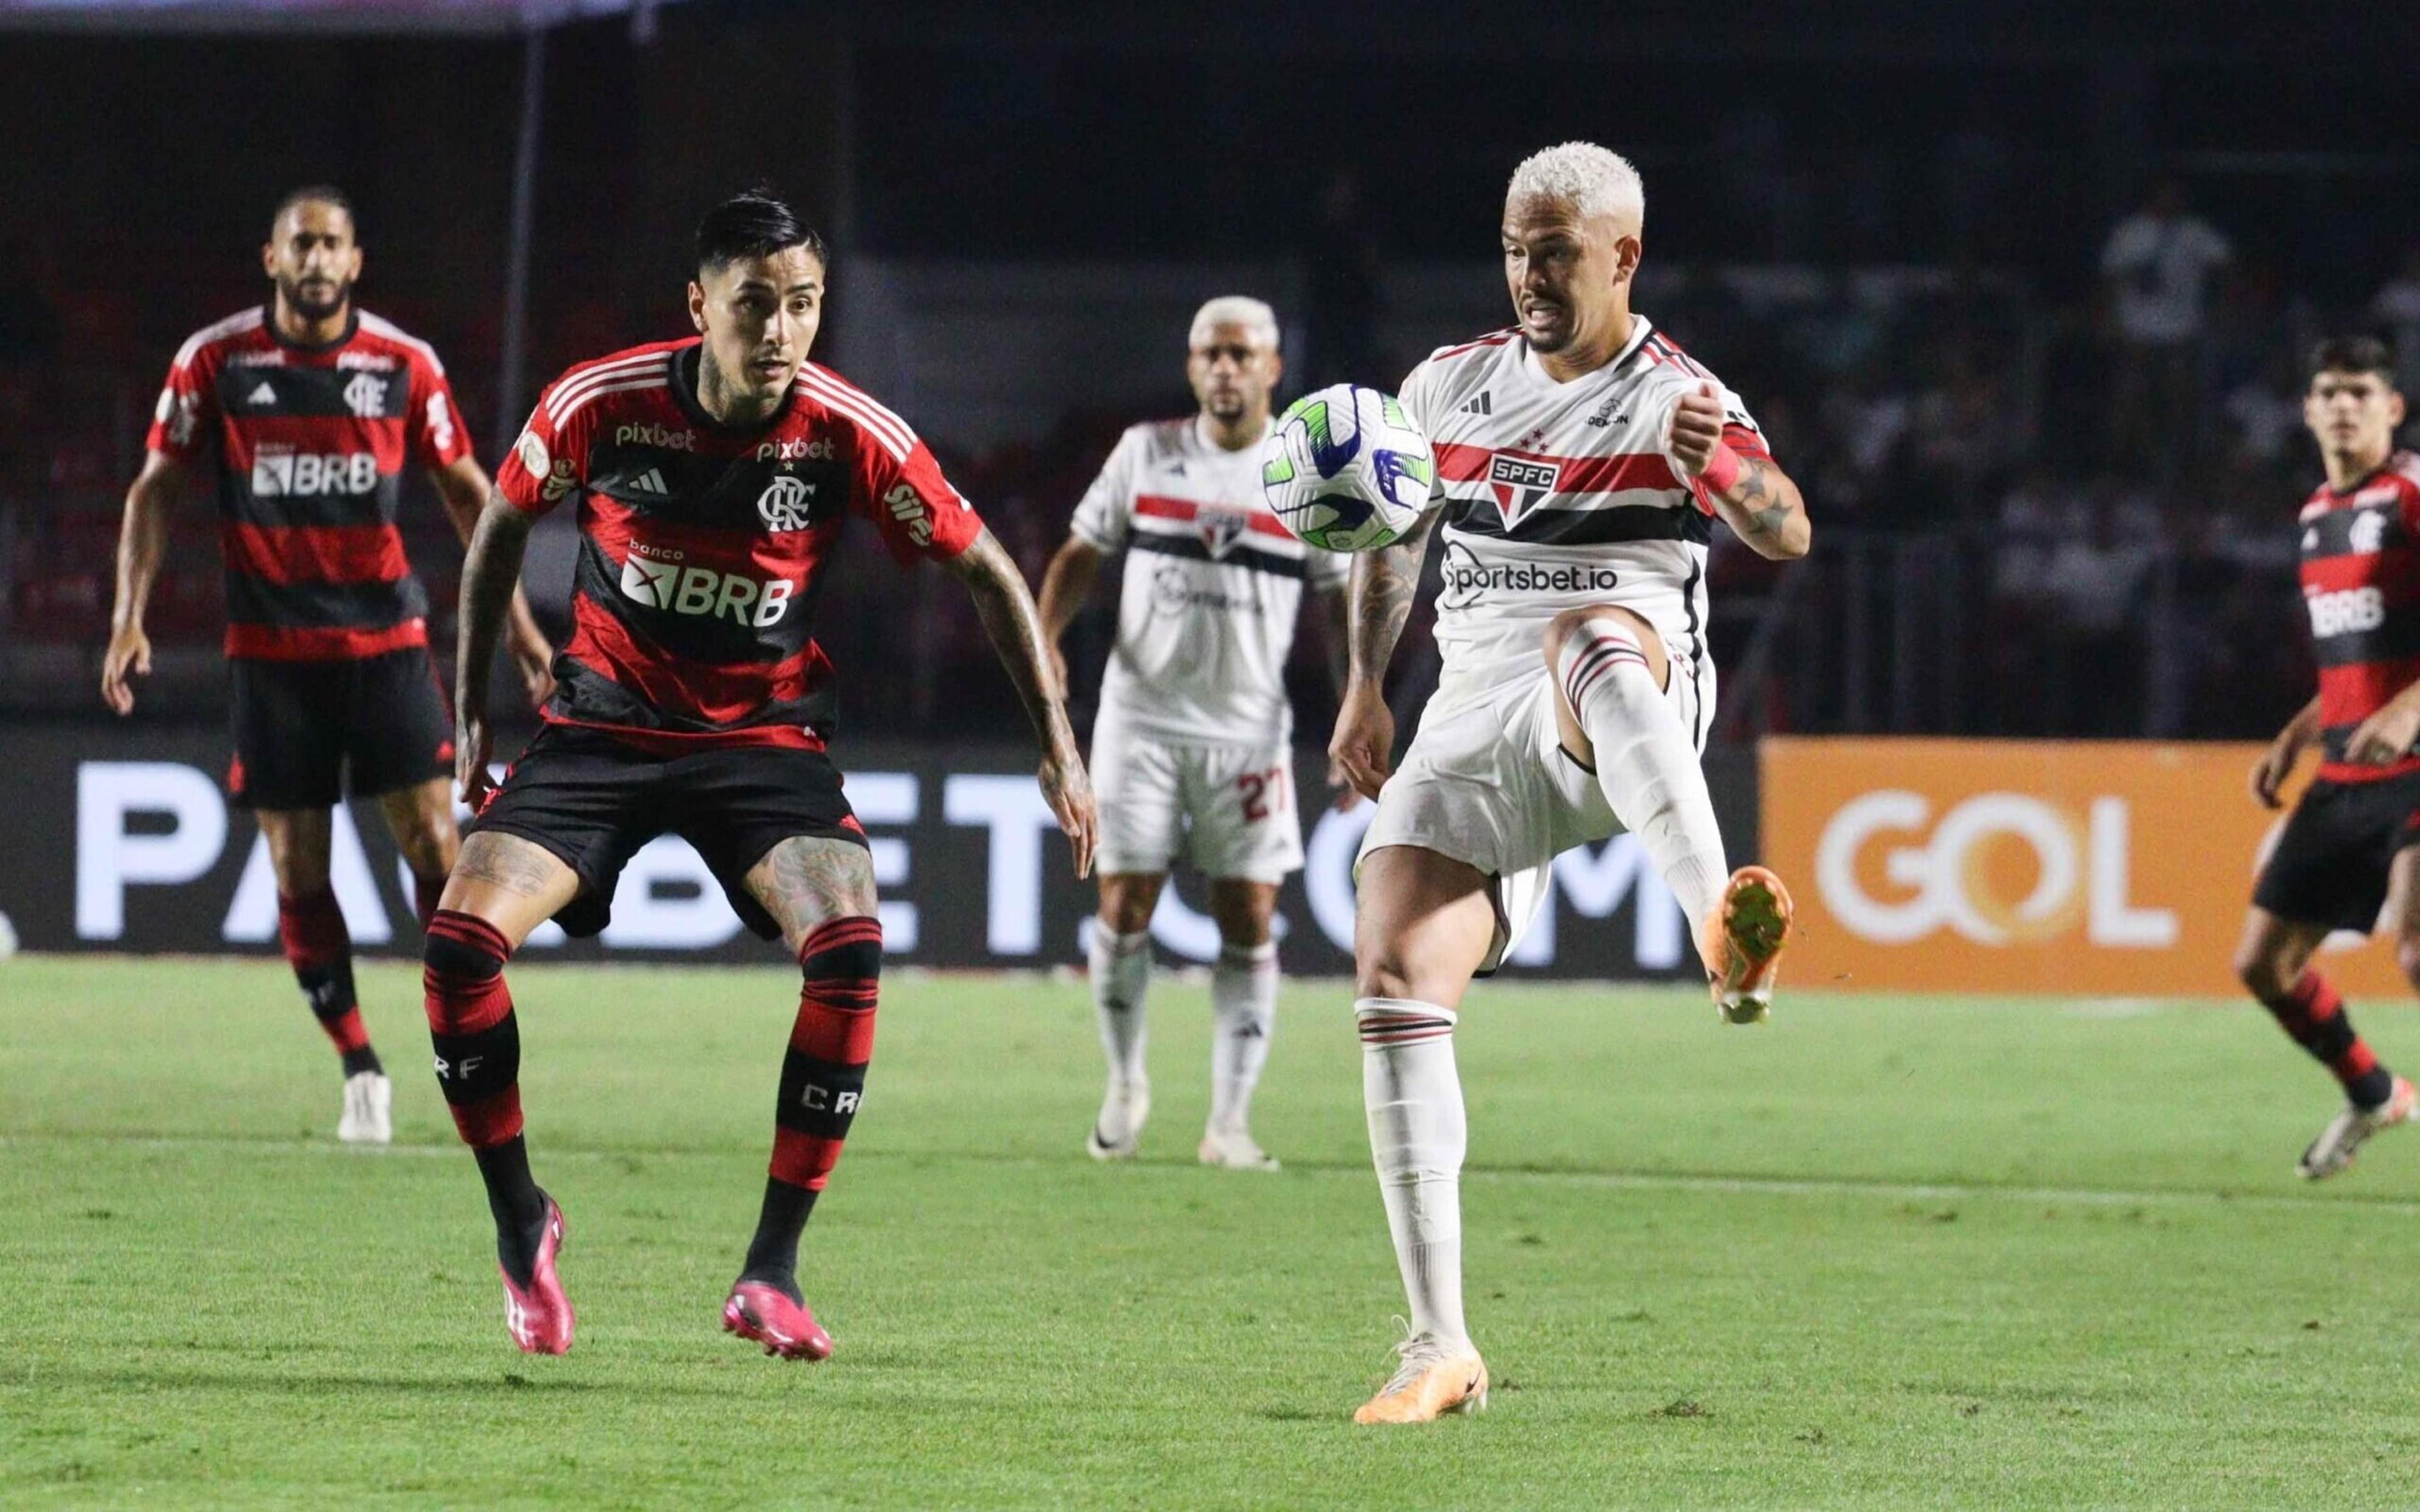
point(1742, 940)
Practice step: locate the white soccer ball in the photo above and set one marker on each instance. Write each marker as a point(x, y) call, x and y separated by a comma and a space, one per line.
point(1345, 470)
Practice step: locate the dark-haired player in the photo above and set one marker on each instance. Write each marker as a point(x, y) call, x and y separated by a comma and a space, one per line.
point(309, 409)
point(2349, 844)
point(713, 477)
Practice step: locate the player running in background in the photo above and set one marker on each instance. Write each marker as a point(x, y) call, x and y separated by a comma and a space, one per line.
point(1582, 459)
point(713, 479)
point(2349, 844)
point(309, 409)
point(1193, 749)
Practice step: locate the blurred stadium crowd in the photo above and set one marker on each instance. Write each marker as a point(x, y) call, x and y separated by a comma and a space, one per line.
point(2054, 461)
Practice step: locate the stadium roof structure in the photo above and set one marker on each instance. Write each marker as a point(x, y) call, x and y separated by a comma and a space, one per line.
point(324, 17)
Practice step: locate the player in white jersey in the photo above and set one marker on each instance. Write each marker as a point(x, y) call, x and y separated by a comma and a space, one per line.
point(1582, 459)
point(1194, 740)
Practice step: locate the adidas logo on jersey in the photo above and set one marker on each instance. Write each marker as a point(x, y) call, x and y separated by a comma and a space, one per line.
point(651, 481)
point(1483, 404)
point(263, 395)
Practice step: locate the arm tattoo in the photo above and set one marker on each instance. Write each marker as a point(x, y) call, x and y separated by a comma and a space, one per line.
point(491, 569)
point(808, 880)
point(1014, 629)
point(1385, 583)
point(1759, 500)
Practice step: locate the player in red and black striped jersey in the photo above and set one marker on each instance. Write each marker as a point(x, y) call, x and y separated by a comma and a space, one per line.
point(2354, 839)
point(713, 477)
point(307, 410)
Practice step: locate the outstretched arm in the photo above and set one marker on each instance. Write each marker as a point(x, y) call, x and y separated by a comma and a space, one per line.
point(1065, 584)
point(1385, 582)
point(464, 489)
point(142, 543)
point(491, 571)
point(1015, 625)
point(1753, 495)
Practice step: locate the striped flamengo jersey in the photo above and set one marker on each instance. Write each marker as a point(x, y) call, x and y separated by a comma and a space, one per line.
point(2361, 584)
point(311, 445)
point(1560, 495)
point(1213, 587)
point(703, 547)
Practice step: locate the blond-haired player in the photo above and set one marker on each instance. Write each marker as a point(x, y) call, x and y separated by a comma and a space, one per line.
point(1194, 744)
point(1582, 459)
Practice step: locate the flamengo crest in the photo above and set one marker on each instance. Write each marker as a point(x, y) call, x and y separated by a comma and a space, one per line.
point(1519, 486)
point(783, 503)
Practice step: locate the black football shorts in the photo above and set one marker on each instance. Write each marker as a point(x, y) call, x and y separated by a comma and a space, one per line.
point(2332, 863)
point(592, 801)
point(306, 732)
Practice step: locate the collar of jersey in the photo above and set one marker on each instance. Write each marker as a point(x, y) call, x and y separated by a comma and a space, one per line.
point(1209, 443)
point(684, 392)
point(2338, 496)
point(1536, 373)
point(269, 323)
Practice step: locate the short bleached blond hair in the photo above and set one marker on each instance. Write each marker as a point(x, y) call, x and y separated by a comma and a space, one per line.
point(1234, 310)
point(1592, 179)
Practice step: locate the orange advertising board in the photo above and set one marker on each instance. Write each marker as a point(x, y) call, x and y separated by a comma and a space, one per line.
point(2101, 868)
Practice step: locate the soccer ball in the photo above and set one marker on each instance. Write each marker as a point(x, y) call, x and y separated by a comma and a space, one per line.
point(1345, 470)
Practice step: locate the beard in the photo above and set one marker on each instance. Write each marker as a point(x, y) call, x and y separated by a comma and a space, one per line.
point(318, 303)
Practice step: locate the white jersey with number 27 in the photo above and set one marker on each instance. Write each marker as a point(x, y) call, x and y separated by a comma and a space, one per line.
point(1212, 585)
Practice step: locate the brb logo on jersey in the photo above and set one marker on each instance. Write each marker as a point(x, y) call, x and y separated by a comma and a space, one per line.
point(659, 577)
point(1520, 485)
point(282, 472)
point(2347, 612)
point(784, 503)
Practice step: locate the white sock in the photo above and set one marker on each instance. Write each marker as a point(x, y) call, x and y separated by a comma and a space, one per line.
point(1244, 1004)
point(1644, 761)
point(1417, 1138)
point(1121, 977)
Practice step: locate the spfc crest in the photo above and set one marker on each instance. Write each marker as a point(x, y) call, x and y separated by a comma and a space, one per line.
point(1520, 485)
point(1220, 529)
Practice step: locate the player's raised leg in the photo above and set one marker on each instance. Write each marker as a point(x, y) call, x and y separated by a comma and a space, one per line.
point(2274, 962)
point(502, 887)
point(1244, 1017)
point(311, 928)
point(1611, 673)
point(1423, 928)
point(1121, 975)
point(820, 892)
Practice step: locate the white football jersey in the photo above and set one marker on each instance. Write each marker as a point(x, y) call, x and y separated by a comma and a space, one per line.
point(1213, 584)
point(1559, 495)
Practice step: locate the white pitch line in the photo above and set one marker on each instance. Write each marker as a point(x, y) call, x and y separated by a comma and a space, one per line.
point(1782, 1186)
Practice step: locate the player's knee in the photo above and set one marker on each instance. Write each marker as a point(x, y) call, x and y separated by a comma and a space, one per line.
point(460, 963)
point(840, 961)
point(1126, 906)
point(2262, 972)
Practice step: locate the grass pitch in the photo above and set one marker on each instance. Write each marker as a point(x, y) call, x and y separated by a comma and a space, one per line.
point(1882, 1252)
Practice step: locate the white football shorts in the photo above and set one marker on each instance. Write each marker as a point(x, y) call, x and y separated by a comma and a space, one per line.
point(1488, 783)
point(1228, 810)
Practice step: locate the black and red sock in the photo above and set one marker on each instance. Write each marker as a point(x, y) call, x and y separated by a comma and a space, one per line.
point(2314, 1017)
point(320, 949)
point(478, 1047)
point(823, 1081)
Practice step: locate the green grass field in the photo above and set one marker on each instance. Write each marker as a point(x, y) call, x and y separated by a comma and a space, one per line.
point(1883, 1251)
